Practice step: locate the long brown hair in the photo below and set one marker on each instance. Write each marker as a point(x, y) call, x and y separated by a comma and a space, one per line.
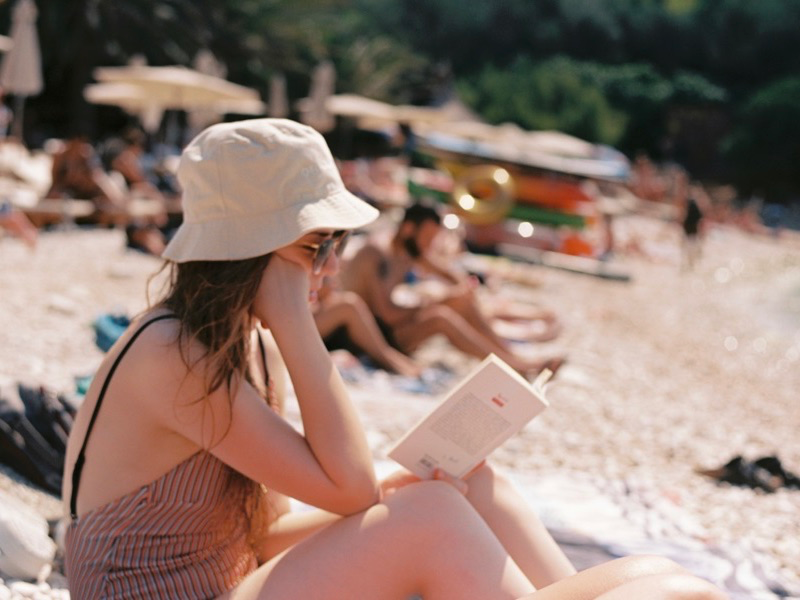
point(212, 301)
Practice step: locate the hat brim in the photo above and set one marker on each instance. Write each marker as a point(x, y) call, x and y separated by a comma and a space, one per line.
point(238, 239)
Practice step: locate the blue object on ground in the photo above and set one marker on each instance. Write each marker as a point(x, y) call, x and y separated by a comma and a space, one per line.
point(108, 328)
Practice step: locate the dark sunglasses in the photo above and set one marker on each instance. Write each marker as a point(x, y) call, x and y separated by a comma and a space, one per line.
point(322, 251)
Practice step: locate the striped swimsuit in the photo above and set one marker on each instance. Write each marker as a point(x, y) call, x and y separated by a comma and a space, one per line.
point(182, 536)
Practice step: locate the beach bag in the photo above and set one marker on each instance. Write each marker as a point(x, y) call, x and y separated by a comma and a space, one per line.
point(25, 447)
point(26, 549)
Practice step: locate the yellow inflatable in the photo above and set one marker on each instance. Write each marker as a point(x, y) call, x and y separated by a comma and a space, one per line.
point(483, 194)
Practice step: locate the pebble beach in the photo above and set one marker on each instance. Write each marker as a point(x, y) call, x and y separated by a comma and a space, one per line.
point(673, 371)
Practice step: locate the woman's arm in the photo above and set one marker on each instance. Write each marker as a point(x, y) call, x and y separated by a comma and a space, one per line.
point(332, 430)
point(290, 528)
point(329, 465)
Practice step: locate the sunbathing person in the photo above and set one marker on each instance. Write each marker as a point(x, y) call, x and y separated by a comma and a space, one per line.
point(179, 464)
point(78, 173)
point(377, 269)
point(345, 322)
point(17, 223)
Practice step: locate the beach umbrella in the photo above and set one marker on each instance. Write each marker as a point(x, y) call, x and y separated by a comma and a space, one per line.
point(181, 88)
point(132, 99)
point(359, 107)
point(21, 70)
point(374, 114)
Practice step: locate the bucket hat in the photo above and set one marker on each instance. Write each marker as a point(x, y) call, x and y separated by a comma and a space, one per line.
point(251, 187)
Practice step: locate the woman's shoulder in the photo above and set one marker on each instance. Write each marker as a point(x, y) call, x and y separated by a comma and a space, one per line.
point(157, 325)
point(150, 338)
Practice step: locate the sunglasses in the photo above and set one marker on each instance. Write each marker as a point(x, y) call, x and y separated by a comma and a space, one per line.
point(322, 251)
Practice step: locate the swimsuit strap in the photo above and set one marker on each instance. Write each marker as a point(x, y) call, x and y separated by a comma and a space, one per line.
point(263, 350)
point(78, 468)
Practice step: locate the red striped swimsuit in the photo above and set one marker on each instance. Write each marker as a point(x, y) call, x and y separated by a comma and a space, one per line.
point(182, 536)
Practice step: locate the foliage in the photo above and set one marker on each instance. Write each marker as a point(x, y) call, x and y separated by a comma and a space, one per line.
point(549, 95)
point(764, 149)
point(622, 105)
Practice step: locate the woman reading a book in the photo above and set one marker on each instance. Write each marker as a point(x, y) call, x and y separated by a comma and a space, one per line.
point(180, 465)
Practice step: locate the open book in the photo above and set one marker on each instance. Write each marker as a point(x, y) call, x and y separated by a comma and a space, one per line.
point(489, 406)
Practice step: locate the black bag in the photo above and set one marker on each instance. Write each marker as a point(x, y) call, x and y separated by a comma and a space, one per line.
point(34, 425)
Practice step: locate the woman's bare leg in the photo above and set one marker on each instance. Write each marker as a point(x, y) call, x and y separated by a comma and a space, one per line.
point(423, 539)
point(518, 527)
point(631, 578)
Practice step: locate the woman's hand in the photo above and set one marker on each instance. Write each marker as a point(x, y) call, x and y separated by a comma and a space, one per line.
point(395, 481)
point(461, 484)
point(402, 478)
point(284, 289)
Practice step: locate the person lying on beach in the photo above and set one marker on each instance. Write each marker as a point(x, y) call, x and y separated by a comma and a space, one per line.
point(345, 322)
point(77, 172)
point(377, 269)
point(17, 223)
point(179, 464)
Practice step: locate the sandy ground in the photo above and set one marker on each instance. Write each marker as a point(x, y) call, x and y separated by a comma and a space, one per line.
point(672, 371)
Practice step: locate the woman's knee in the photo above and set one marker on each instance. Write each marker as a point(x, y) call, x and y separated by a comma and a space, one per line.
point(649, 565)
point(675, 586)
point(428, 495)
point(689, 587)
point(432, 506)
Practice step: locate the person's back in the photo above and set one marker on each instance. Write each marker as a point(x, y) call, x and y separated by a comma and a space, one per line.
point(374, 258)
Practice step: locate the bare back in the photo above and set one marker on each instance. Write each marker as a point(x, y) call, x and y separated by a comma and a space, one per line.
point(372, 274)
point(136, 438)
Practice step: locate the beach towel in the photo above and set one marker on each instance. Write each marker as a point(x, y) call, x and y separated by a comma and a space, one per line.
point(595, 520)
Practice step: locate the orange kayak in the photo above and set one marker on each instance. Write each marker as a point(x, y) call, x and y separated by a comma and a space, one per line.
point(549, 192)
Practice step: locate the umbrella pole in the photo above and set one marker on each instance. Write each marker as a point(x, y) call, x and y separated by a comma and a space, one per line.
point(19, 115)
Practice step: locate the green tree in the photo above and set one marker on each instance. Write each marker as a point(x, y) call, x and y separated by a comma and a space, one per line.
point(764, 149)
point(549, 95)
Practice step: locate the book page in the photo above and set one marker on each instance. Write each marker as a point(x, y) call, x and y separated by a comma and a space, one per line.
point(470, 424)
point(490, 405)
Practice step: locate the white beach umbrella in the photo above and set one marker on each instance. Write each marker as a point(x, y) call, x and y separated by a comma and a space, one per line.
point(358, 107)
point(374, 114)
point(137, 100)
point(130, 98)
point(181, 88)
point(21, 70)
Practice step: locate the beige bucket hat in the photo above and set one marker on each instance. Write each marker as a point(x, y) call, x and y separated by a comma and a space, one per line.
point(251, 187)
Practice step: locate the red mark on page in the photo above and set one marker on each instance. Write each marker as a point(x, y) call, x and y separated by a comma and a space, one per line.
point(499, 401)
